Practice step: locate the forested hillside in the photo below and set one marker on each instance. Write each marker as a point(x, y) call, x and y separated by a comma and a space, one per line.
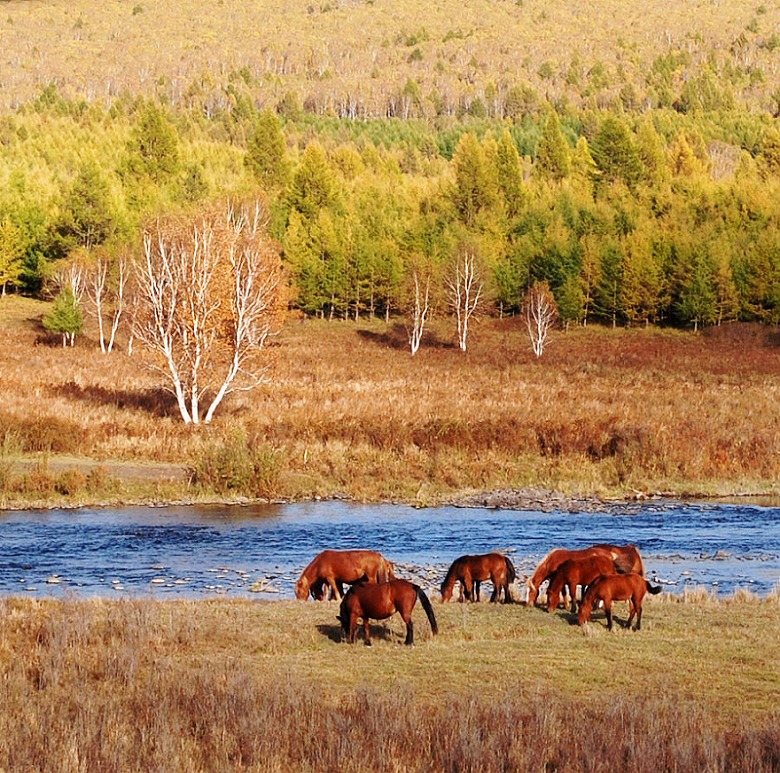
point(626, 153)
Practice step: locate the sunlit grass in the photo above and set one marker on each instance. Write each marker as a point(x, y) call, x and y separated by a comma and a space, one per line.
point(128, 685)
point(347, 411)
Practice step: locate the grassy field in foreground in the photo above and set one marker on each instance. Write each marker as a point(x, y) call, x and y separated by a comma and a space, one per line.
point(216, 685)
point(348, 411)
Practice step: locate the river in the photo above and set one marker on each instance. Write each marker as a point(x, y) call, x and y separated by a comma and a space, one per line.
point(258, 551)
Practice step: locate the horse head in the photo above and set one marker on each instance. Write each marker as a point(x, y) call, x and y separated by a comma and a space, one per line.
point(532, 592)
point(302, 589)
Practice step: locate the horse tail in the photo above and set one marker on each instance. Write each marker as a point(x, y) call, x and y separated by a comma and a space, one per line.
point(511, 575)
point(654, 589)
point(426, 605)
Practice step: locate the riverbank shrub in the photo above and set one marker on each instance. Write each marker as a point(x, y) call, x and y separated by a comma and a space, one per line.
point(236, 464)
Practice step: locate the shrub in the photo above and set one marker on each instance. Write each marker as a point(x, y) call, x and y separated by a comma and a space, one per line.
point(234, 465)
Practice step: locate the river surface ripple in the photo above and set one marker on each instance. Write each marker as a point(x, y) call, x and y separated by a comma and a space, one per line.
point(260, 550)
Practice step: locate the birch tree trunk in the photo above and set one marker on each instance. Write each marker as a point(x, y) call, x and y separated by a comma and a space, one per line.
point(420, 311)
point(540, 313)
point(209, 295)
point(465, 292)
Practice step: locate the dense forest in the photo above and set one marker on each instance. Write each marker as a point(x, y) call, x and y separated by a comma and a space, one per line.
point(637, 175)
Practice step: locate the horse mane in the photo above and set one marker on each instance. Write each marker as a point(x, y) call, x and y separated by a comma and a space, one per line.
point(542, 570)
point(451, 577)
point(386, 571)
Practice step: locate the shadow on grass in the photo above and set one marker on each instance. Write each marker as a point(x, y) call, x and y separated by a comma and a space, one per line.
point(379, 631)
point(156, 402)
point(396, 337)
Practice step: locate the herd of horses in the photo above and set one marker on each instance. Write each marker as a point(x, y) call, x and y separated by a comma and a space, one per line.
point(604, 573)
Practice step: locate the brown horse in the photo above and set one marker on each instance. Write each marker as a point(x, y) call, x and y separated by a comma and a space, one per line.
point(617, 587)
point(577, 571)
point(626, 558)
point(470, 571)
point(332, 568)
point(378, 602)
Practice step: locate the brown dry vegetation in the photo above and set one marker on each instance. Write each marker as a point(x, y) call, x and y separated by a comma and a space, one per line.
point(349, 56)
point(216, 685)
point(348, 411)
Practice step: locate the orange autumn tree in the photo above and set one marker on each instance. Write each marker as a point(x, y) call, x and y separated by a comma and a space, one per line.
point(209, 293)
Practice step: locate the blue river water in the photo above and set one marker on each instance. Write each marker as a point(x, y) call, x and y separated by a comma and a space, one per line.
point(259, 551)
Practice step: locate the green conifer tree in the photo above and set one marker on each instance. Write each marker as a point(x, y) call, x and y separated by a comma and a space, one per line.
point(510, 174)
point(266, 154)
point(66, 317)
point(615, 155)
point(553, 156)
point(475, 189)
point(153, 150)
point(11, 254)
point(88, 218)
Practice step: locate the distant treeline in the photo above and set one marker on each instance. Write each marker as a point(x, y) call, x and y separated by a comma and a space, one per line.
point(670, 215)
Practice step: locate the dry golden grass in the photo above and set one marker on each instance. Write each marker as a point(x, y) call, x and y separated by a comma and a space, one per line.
point(216, 685)
point(348, 410)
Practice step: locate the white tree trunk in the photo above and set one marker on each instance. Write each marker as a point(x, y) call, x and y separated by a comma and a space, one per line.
point(465, 292)
point(208, 293)
point(420, 312)
point(540, 312)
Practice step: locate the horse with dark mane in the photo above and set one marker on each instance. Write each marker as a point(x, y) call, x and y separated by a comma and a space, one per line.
point(470, 571)
point(617, 587)
point(332, 568)
point(365, 601)
point(577, 571)
point(626, 558)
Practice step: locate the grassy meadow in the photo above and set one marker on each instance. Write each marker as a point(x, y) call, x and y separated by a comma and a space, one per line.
point(218, 685)
point(347, 411)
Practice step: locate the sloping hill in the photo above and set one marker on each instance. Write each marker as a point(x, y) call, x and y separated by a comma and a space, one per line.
point(387, 56)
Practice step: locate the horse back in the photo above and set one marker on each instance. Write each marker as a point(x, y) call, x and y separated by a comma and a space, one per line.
point(381, 600)
point(585, 568)
point(621, 587)
point(349, 565)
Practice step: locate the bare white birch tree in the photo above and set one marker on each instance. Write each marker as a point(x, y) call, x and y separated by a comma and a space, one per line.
point(420, 310)
point(464, 290)
point(540, 313)
point(209, 295)
point(70, 274)
point(106, 287)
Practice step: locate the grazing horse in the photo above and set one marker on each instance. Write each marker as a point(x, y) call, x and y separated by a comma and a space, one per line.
point(617, 587)
point(577, 571)
point(379, 601)
point(470, 571)
point(332, 568)
point(626, 558)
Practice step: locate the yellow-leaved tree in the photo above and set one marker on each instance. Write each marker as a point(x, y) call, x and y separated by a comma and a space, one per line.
point(209, 293)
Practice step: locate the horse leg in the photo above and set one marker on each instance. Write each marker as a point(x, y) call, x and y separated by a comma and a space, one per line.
point(353, 618)
point(636, 607)
point(494, 594)
point(366, 632)
point(409, 632)
point(608, 610)
point(334, 589)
